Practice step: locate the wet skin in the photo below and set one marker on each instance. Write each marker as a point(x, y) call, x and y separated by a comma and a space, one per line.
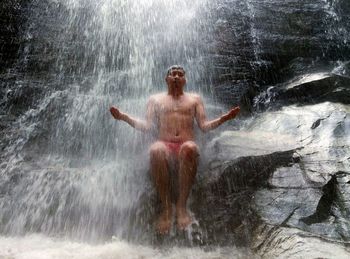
point(174, 113)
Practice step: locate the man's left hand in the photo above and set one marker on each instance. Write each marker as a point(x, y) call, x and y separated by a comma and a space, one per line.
point(232, 113)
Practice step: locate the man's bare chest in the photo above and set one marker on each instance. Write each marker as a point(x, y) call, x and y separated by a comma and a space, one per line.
point(176, 107)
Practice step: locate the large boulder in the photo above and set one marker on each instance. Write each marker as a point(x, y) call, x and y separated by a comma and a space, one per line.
point(287, 171)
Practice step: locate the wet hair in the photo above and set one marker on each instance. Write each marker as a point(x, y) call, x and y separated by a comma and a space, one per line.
point(173, 67)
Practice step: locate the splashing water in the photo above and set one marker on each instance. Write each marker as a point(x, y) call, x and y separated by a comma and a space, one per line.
point(71, 170)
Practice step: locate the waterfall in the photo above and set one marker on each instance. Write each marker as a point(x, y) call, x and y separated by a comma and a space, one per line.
point(73, 170)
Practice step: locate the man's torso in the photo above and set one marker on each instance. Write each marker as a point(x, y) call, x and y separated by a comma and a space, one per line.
point(174, 116)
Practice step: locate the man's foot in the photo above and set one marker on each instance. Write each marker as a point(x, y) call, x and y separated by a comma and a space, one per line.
point(183, 219)
point(164, 221)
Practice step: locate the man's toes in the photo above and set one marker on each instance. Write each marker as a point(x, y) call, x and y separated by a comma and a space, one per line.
point(182, 226)
point(183, 223)
point(164, 227)
point(163, 231)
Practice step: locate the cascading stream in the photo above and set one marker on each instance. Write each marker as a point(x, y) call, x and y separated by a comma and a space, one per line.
point(88, 179)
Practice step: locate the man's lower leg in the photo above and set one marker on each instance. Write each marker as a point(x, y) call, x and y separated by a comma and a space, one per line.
point(160, 174)
point(187, 173)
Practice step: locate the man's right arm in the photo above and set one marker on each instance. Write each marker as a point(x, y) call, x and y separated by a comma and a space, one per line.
point(142, 125)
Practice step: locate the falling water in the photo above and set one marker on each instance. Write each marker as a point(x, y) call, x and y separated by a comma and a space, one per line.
point(86, 178)
point(71, 171)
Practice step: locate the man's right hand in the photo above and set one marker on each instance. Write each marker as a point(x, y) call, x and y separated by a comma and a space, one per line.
point(116, 113)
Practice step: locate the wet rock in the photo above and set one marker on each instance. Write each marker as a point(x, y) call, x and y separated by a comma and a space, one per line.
point(280, 206)
point(272, 242)
point(11, 21)
point(316, 88)
point(342, 68)
point(307, 89)
point(291, 175)
point(233, 144)
point(224, 195)
point(259, 41)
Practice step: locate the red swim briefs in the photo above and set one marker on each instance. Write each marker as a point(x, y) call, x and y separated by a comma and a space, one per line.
point(174, 147)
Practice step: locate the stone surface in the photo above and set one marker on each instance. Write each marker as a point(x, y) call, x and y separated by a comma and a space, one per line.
point(288, 169)
point(307, 89)
point(233, 144)
point(272, 242)
point(11, 26)
point(268, 42)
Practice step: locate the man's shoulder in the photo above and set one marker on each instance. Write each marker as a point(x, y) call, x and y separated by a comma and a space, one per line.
point(157, 97)
point(194, 96)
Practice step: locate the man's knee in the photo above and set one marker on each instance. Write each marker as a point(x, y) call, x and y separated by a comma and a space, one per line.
point(157, 151)
point(189, 150)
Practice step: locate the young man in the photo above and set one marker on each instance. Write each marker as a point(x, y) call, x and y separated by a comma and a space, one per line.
point(173, 113)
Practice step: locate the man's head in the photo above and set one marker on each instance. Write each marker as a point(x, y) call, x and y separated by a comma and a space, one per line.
point(175, 77)
point(175, 67)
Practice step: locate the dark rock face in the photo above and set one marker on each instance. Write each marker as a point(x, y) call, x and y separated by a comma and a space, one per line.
point(25, 74)
point(259, 43)
point(11, 22)
point(11, 26)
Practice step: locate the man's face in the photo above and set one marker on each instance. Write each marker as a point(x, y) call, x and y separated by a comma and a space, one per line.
point(176, 78)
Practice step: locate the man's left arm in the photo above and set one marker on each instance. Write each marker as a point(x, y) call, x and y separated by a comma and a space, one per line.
point(206, 125)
